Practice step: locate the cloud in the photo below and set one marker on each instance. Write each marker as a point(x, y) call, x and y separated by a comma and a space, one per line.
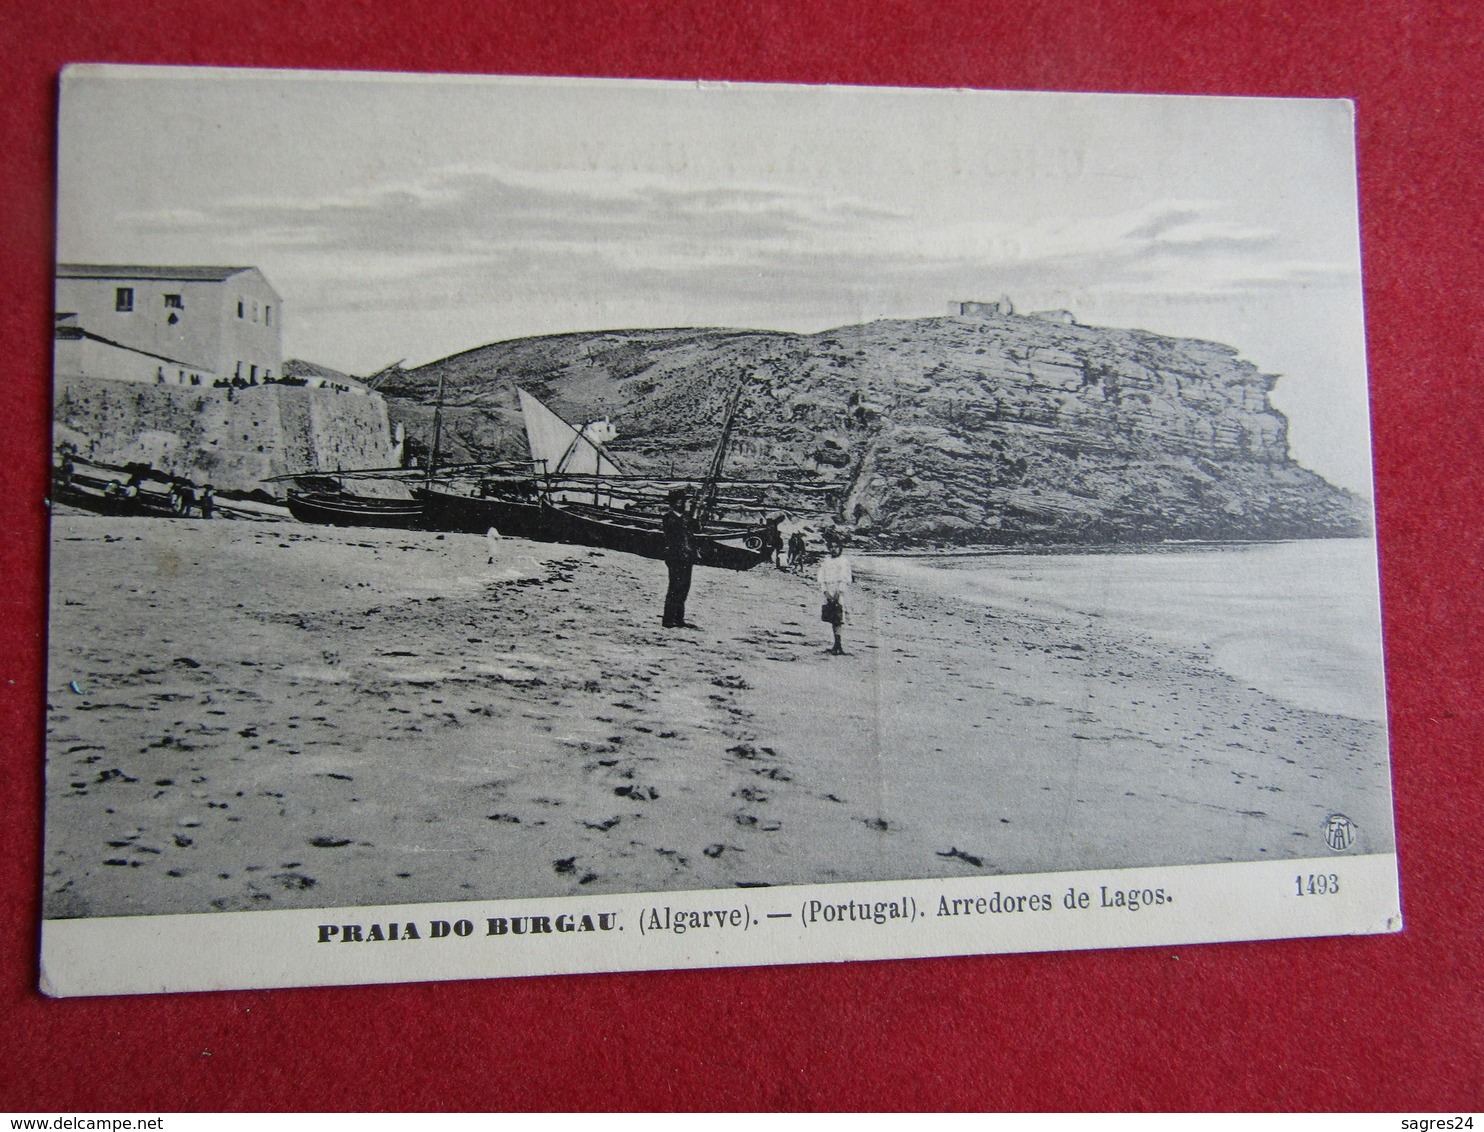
point(473, 237)
point(459, 211)
point(1167, 218)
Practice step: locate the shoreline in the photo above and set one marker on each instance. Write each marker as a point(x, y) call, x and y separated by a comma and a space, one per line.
point(1166, 546)
point(290, 716)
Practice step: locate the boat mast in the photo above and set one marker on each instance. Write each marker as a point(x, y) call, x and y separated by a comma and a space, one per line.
point(437, 431)
point(718, 457)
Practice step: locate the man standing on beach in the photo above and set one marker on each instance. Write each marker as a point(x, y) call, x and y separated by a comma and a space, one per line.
point(773, 541)
point(834, 583)
point(796, 551)
point(680, 554)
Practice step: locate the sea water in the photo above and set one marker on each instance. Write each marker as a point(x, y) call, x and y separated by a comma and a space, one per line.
point(1299, 621)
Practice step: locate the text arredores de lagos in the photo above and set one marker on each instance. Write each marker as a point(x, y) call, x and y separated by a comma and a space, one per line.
point(811, 913)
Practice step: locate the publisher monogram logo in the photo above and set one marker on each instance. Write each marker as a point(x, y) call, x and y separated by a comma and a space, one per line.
point(1339, 832)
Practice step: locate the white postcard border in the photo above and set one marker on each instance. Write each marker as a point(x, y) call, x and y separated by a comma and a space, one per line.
point(741, 927)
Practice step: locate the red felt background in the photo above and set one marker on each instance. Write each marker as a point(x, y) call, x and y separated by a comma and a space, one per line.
point(1391, 1022)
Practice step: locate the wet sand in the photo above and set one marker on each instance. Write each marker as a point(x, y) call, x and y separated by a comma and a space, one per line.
point(253, 715)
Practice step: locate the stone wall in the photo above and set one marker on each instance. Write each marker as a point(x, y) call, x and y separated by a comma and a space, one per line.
point(230, 438)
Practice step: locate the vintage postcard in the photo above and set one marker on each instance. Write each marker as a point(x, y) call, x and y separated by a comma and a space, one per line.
point(517, 526)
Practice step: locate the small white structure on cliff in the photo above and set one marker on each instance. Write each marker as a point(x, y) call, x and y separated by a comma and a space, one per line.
point(961, 309)
point(1003, 307)
point(168, 325)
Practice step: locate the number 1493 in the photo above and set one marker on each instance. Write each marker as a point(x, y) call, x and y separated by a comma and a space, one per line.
point(1317, 884)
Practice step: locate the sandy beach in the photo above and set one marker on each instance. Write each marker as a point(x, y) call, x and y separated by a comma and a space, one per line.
point(262, 715)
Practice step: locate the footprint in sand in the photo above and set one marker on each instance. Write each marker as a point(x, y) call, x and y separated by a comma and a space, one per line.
point(637, 793)
point(967, 858)
point(751, 821)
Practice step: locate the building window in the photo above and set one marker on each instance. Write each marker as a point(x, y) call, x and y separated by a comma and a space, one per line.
point(239, 308)
point(267, 315)
point(123, 299)
point(174, 302)
point(255, 311)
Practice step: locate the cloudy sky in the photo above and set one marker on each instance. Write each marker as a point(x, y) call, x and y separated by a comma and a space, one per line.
point(411, 217)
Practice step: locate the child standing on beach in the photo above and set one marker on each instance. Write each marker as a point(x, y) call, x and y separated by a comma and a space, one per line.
point(834, 583)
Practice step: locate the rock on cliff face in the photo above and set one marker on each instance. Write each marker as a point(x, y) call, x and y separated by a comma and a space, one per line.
point(937, 432)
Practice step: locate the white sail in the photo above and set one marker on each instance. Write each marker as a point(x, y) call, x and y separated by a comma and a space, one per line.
point(558, 448)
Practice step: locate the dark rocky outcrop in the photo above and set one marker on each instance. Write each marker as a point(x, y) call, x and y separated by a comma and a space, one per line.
point(993, 430)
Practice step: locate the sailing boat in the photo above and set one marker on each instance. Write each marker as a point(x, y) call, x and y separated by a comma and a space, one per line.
point(576, 491)
point(484, 497)
point(323, 498)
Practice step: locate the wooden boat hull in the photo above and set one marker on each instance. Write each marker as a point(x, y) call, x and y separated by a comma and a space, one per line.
point(100, 490)
point(726, 546)
point(342, 509)
point(475, 515)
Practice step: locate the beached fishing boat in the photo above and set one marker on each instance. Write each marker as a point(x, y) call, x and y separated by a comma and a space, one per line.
point(729, 546)
point(576, 491)
point(386, 497)
point(132, 489)
point(341, 508)
point(511, 508)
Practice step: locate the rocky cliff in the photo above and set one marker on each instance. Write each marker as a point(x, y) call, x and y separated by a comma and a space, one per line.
point(998, 429)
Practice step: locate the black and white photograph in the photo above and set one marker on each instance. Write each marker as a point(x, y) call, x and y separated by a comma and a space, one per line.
point(489, 514)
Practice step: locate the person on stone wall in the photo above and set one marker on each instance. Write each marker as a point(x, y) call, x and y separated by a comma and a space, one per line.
point(680, 556)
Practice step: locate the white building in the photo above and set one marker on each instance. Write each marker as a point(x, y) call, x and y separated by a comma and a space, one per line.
point(177, 325)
